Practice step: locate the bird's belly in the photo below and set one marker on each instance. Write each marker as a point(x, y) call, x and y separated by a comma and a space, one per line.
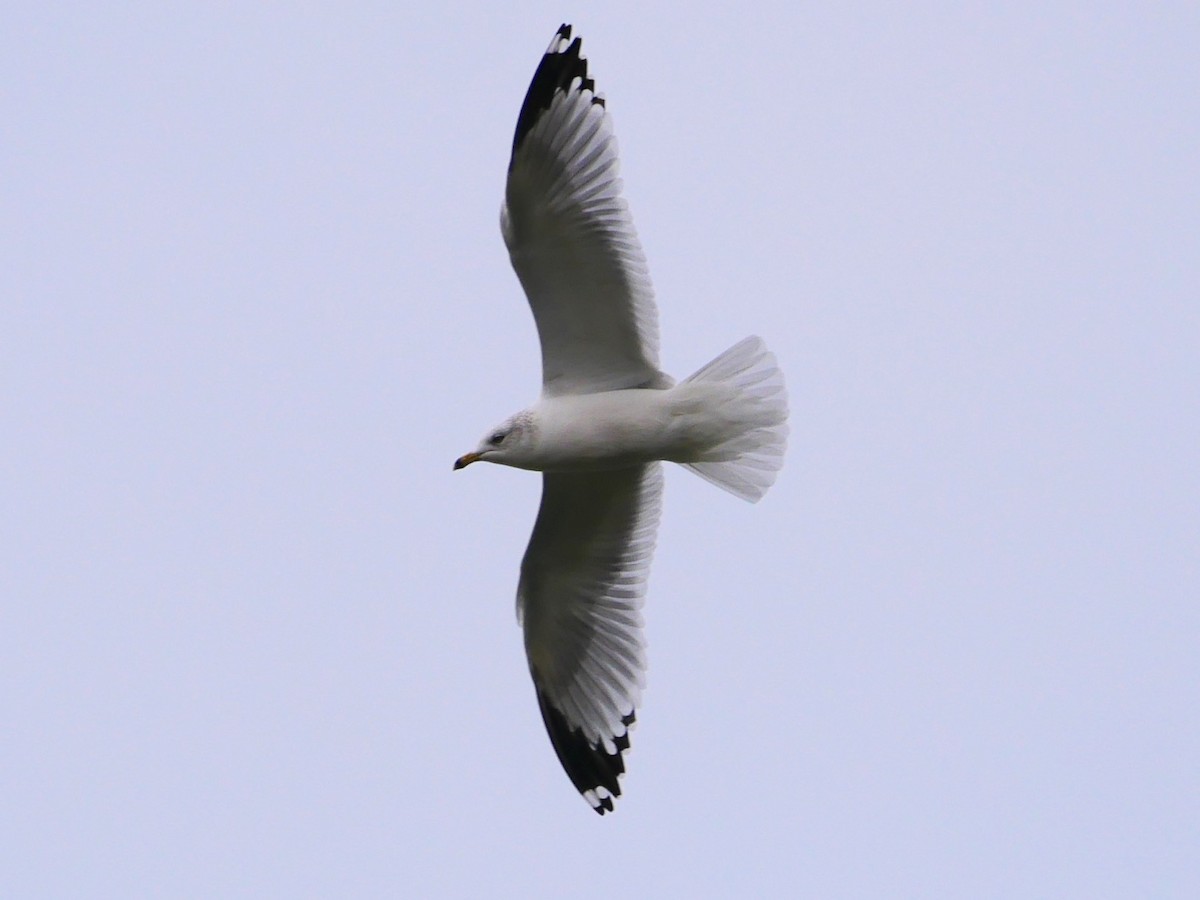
point(626, 428)
point(604, 431)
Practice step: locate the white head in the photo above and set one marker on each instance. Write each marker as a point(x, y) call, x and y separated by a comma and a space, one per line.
point(508, 443)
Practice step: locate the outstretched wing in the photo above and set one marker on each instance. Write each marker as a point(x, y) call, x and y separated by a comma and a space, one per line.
point(583, 580)
point(571, 238)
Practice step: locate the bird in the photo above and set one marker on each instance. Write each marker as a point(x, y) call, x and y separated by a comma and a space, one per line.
point(606, 419)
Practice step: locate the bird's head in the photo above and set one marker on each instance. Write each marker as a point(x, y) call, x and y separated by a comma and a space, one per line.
point(508, 443)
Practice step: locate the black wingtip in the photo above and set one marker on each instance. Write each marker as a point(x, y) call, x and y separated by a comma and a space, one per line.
point(561, 64)
point(589, 766)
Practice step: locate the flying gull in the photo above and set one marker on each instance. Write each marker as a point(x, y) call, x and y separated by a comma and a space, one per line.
point(606, 418)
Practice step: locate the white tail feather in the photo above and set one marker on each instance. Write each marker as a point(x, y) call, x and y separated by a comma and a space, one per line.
point(747, 463)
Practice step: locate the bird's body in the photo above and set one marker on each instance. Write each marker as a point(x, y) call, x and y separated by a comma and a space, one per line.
point(606, 419)
point(589, 432)
point(614, 429)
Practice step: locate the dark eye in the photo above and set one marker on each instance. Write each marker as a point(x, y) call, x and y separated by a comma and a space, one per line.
point(496, 439)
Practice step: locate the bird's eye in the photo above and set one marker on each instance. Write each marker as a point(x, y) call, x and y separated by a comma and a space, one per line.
point(496, 439)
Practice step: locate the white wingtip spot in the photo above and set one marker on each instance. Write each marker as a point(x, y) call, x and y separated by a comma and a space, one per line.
point(599, 797)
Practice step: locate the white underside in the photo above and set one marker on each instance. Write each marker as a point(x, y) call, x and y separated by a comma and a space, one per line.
point(727, 422)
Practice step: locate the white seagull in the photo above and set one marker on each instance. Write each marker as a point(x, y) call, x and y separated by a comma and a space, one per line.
point(606, 416)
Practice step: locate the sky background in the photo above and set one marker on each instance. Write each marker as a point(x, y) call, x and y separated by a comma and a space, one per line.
point(257, 639)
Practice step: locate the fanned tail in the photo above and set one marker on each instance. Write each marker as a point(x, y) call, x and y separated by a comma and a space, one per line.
point(747, 463)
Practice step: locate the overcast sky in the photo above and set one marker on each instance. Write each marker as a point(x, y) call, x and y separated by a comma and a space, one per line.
point(257, 639)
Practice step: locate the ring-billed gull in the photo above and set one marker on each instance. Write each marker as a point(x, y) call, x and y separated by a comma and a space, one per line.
point(606, 417)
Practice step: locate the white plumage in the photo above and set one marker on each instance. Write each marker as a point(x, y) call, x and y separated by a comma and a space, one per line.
point(606, 417)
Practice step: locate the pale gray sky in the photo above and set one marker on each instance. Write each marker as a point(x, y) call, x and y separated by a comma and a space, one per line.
point(257, 639)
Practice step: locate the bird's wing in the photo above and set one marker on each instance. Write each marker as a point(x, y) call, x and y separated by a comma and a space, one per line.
point(571, 238)
point(579, 599)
